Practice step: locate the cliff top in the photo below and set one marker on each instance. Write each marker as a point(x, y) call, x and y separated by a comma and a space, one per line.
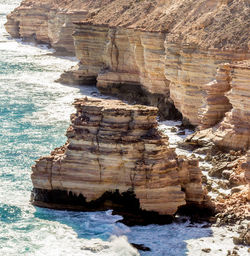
point(219, 24)
point(106, 104)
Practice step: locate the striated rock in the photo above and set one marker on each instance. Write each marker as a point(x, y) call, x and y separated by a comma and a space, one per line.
point(60, 29)
point(49, 21)
point(114, 147)
point(163, 53)
point(122, 62)
point(234, 130)
point(195, 92)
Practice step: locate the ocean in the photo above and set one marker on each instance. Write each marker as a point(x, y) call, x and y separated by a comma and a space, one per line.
point(34, 115)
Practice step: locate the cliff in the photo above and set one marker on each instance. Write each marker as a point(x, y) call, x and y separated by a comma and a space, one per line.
point(115, 148)
point(169, 54)
point(234, 129)
point(188, 58)
point(143, 60)
point(49, 21)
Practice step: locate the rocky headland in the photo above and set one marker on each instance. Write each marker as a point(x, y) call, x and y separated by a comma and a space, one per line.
point(188, 60)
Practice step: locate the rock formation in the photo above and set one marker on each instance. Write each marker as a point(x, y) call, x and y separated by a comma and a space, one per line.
point(49, 21)
point(151, 64)
point(189, 58)
point(169, 54)
point(234, 129)
point(112, 147)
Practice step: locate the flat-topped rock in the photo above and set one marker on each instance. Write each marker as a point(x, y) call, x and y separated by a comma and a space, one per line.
point(115, 148)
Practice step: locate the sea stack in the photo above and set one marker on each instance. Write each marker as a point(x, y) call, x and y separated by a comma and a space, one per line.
point(113, 151)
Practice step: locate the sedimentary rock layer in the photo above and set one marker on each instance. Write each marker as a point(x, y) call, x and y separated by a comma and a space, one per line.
point(123, 62)
point(114, 146)
point(234, 129)
point(169, 54)
point(49, 21)
point(197, 87)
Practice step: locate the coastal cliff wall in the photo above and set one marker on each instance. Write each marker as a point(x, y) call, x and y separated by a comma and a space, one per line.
point(49, 21)
point(190, 59)
point(123, 62)
point(234, 129)
point(112, 147)
point(169, 54)
point(159, 68)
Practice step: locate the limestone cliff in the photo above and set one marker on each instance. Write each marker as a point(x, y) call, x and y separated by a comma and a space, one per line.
point(169, 54)
point(49, 21)
point(113, 147)
point(139, 62)
point(189, 58)
point(234, 129)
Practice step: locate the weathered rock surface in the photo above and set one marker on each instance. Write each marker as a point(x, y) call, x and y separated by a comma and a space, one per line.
point(163, 53)
point(49, 21)
point(246, 167)
point(234, 130)
point(123, 56)
point(114, 146)
point(123, 62)
point(188, 58)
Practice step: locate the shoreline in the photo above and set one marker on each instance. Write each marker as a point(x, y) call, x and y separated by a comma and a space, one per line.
point(233, 226)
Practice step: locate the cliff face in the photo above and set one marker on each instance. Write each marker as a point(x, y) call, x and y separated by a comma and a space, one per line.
point(169, 54)
point(114, 146)
point(139, 62)
point(49, 21)
point(123, 62)
point(192, 73)
point(234, 129)
point(188, 58)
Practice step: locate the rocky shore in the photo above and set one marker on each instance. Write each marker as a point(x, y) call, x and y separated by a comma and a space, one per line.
point(183, 60)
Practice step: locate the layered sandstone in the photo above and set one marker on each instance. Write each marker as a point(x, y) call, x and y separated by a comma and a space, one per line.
point(234, 129)
point(163, 53)
point(112, 147)
point(197, 87)
point(131, 56)
point(50, 21)
point(147, 68)
point(123, 62)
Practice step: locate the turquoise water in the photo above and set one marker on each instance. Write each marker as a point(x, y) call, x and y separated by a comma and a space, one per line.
point(34, 115)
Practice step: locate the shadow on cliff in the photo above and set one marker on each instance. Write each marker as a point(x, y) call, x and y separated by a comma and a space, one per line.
point(171, 238)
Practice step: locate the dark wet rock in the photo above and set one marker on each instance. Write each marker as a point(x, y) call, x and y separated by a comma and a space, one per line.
point(207, 250)
point(181, 133)
point(141, 247)
point(204, 179)
point(226, 174)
